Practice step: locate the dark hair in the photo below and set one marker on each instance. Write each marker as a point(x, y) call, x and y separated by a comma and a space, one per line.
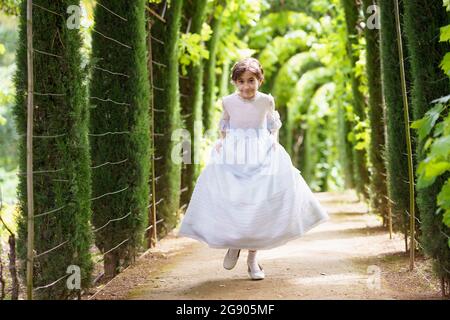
point(247, 64)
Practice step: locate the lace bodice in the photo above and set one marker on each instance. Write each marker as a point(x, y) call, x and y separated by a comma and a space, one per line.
point(258, 112)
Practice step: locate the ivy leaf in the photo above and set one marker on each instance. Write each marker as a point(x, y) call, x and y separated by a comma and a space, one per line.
point(440, 147)
point(443, 99)
point(427, 144)
point(446, 219)
point(360, 145)
point(445, 64)
point(425, 124)
point(428, 172)
point(443, 198)
point(445, 34)
point(439, 129)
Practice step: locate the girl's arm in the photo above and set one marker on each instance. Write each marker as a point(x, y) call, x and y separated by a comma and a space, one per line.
point(273, 119)
point(276, 135)
point(224, 122)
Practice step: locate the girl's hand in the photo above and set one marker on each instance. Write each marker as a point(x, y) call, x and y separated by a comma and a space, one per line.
point(218, 146)
point(274, 140)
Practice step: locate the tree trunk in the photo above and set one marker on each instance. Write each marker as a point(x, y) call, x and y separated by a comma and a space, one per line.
point(111, 265)
point(12, 268)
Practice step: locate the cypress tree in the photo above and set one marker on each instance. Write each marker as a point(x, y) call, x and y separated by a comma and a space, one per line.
point(225, 77)
point(344, 145)
point(119, 105)
point(396, 153)
point(351, 19)
point(423, 20)
point(62, 187)
point(167, 119)
point(378, 187)
point(192, 89)
point(210, 65)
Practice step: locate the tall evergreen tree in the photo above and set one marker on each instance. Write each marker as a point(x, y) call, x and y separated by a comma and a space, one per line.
point(192, 89)
point(351, 17)
point(119, 130)
point(62, 187)
point(210, 65)
point(423, 20)
point(378, 187)
point(396, 155)
point(167, 119)
point(344, 145)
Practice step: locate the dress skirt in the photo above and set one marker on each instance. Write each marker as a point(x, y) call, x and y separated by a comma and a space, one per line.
point(250, 196)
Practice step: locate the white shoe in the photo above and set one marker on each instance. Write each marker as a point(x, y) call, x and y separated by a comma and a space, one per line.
point(256, 274)
point(231, 258)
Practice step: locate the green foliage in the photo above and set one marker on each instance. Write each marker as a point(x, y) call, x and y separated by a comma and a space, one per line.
point(291, 72)
point(437, 147)
point(242, 13)
point(10, 7)
point(168, 168)
point(279, 24)
point(281, 49)
point(8, 136)
point(65, 193)
point(192, 49)
point(426, 124)
point(320, 154)
point(312, 8)
point(305, 89)
point(445, 37)
point(423, 22)
point(361, 138)
point(121, 190)
point(395, 153)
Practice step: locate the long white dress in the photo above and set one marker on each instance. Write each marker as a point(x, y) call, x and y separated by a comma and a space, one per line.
point(249, 195)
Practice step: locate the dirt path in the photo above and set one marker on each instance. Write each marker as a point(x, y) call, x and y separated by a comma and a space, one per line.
point(349, 257)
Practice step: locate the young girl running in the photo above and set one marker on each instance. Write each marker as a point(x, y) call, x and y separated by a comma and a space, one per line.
point(249, 195)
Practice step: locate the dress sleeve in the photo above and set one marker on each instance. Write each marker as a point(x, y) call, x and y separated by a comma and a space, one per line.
point(224, 123)
point(273, 117)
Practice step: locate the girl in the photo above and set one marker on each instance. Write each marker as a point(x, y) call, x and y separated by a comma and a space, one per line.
point(249, 195)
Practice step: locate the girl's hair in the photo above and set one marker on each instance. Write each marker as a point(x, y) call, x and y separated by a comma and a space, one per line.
point(247, 64)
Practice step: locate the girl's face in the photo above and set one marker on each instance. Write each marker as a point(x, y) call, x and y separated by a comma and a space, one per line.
point(247, 84)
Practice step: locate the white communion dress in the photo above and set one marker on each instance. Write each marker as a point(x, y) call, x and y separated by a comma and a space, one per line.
point(249, 195)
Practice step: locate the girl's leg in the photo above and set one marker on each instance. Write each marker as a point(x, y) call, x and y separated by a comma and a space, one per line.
point(251, 260)
point(231, 258)
point(254, 271)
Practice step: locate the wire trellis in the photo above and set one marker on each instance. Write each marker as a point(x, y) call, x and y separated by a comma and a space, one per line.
point(107, 163)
